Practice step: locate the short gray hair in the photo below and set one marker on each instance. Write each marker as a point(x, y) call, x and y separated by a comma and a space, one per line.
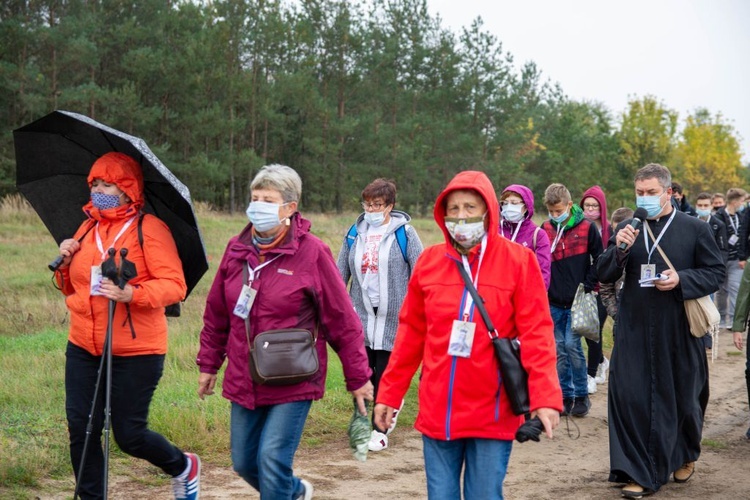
point(654, 170)
point(279, 178)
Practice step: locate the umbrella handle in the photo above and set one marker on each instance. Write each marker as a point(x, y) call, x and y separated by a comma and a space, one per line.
point(55, 264)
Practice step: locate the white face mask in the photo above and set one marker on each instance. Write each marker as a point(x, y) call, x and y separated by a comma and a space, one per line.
point(264, 215)
point(466, 232)
point(513, 213)
point(375, 219)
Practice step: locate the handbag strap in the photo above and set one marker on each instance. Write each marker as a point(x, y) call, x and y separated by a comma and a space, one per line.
point(477, 299)
point(247, 320)
point(663, 255)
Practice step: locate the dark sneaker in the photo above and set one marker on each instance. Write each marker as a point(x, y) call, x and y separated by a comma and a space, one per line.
point(567, 406)
point(308, 494)
point(747, 434)
point(581, 407)
point(187, 486)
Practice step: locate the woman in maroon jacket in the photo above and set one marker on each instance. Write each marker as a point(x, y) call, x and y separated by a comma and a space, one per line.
point(296, 285)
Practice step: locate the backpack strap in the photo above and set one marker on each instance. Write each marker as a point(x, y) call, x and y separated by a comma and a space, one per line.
point(351, 235)
point(403, 242)
point(533, 241)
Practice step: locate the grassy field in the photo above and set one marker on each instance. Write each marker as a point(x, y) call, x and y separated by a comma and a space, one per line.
point(33, 334)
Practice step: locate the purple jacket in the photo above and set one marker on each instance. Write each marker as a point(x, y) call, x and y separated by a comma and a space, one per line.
point(298, 289)
point(525, 234)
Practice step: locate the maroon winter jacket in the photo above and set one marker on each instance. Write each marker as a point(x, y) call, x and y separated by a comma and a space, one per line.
point(297, 290)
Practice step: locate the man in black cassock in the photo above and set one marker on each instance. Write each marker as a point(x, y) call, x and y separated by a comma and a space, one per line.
point(658, 385)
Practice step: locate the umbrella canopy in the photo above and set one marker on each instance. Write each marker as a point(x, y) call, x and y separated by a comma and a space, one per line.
point(53, 158)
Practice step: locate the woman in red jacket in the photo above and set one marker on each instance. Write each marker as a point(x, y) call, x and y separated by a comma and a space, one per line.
point(464, 414)
point(139, 330)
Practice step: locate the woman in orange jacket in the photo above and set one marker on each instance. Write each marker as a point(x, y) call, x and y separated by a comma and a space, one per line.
point(464, 414)
point(139, 328)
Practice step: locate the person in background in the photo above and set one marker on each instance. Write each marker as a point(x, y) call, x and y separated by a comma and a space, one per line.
point(736, 225)
point(576, 245)
point(658, 376)
point(295, 284)
point(516, 224)
point(464, 415)
point(139, 328)
point(739, 325)
point(594, 205)
point(610, 292)
point(719, 230)
point(718, 200)
point(373, 260)
point(680, 199)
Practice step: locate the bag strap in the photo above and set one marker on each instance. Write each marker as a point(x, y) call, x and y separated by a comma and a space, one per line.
point(663, 255)
point(533, 241)
point(477, 299)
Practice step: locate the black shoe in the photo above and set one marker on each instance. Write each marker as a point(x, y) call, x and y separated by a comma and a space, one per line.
point(581, 407)
point(567, 406)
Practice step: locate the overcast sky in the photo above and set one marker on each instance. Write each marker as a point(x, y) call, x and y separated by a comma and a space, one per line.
point(687, 53)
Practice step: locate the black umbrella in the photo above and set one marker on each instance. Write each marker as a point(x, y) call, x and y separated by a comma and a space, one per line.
point(53, 158)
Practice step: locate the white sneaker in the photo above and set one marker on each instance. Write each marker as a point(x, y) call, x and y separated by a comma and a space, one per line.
point(378, 441)
point(591, 384)
point(601, 371)
point(308, 490)
point(395, 417)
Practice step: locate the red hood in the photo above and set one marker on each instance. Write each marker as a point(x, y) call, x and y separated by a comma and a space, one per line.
point(479, 182)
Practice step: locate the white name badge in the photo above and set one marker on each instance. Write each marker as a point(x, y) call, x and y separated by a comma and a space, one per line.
point(245, 302)
point(648, 273)
point(733, 239)
point(96, 280)
point(462, 338)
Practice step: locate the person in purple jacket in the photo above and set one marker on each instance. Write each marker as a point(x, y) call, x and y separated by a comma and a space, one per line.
point(296, 285)
point(516, 212)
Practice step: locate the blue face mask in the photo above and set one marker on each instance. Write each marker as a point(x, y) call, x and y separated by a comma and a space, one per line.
point(105, 201)
point(560, 218)
point(375, 219)
point(703, 212)
point(264, 215)
point(651, 204)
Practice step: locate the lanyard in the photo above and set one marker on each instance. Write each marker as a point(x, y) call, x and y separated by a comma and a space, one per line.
point(656, 242)
point(560, 231)
point(467, 267)
point(99, 244)
point(513, 234)
point(735, 223)
point(252, 272)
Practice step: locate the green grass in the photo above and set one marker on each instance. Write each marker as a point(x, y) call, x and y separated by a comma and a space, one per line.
point(33, 335)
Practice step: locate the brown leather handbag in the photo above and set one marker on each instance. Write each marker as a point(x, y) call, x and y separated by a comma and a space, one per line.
point(283, 357)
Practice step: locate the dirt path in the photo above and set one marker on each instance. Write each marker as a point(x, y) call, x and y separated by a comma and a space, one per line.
point(553, 469)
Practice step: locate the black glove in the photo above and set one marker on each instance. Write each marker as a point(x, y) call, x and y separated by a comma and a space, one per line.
point(531, 429)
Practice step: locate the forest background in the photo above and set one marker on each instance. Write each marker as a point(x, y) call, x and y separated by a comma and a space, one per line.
point(343, 92)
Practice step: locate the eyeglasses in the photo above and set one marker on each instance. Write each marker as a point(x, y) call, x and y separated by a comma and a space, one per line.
point(511, 202)
point(591, 207)
point(373, 206)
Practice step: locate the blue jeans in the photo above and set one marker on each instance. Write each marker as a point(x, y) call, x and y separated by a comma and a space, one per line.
point(484, 461)
point(571, 363)
point(263, 443)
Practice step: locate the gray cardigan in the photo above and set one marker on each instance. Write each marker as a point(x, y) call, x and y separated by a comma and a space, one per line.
point(380, 329)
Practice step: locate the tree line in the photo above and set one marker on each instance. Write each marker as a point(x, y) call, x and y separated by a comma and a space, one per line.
point(342, 91)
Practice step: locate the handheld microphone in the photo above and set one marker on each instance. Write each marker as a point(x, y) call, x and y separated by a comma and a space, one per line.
point(638, 217)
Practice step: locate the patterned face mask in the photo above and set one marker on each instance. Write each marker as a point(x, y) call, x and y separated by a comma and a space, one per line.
point(466, 232)
point(105, 201)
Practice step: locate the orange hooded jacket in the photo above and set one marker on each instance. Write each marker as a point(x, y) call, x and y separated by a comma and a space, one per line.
point(160, 280)
point(463, 397)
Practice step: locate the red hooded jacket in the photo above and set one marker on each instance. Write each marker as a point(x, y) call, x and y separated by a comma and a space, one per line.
point(464, 397)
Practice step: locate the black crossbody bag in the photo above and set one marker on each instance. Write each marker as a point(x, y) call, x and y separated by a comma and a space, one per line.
point(508, 353)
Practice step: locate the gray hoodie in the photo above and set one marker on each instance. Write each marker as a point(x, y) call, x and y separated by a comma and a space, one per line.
point(393, 274)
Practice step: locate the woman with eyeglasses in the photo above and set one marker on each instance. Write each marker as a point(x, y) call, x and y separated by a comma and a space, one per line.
point(516, 224)
point(594, 205)
point(378, 255)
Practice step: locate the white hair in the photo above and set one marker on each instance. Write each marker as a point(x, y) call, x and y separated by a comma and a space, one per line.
point(279, 178)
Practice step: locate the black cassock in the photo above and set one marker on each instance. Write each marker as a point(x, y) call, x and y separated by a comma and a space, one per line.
point(658, 382)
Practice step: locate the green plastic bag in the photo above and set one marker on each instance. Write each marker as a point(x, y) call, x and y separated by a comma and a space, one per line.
point(360, 431)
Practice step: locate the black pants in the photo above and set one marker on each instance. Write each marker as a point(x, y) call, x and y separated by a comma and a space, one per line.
point(377, 360)
point(596, 355)
point(134, 380)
